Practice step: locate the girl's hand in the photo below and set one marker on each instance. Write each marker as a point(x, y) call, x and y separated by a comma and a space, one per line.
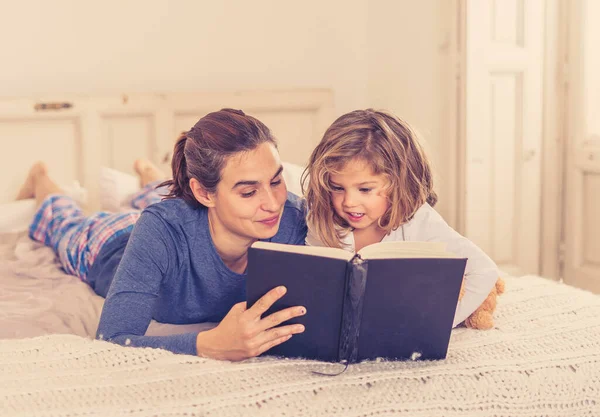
point(242, 334)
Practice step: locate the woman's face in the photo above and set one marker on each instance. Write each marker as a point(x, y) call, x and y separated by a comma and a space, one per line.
point(250, 197)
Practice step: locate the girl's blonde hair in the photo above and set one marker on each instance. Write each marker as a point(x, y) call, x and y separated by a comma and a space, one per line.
point(390, 147)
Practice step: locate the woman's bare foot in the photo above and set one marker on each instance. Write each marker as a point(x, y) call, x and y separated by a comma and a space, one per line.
point(38, 184)
point(147, 171)
point(28, 188)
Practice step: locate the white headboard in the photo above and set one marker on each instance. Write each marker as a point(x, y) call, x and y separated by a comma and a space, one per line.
point(76, 135)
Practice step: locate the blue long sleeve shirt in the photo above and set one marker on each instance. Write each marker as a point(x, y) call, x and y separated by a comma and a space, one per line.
point(169, 270)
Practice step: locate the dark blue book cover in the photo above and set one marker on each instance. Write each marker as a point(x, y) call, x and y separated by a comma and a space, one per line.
point(359, 308)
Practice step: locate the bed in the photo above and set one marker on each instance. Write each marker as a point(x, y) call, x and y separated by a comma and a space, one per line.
point(542, 358)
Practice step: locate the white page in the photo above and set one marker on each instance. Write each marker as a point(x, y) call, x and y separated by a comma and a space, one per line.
point(385, 250)
point(324, 252)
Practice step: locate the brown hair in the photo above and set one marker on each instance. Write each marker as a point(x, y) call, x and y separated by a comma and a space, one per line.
point(390, 147)
point(201, 152)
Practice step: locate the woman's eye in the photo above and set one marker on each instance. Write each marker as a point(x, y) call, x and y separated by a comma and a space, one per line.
point(248, 194)
point(275, 183)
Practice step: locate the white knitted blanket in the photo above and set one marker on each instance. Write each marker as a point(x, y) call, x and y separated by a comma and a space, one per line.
point(542, 359)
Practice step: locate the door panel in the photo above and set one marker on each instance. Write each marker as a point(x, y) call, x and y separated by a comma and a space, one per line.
point(127, 138)
point(77, 135)
point(29, 138)
point(582, 193)
point(503, 130)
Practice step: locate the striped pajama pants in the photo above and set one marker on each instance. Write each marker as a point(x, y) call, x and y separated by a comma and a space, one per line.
point(77, 239)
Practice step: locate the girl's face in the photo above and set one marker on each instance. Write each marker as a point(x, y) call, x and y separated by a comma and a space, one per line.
point(250, 197)
point(358, 195)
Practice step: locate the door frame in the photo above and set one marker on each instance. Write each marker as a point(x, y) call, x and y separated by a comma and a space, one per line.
point(459, 112)
point(556, 132)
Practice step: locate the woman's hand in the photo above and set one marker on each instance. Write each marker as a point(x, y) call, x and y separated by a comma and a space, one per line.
point(242, 334)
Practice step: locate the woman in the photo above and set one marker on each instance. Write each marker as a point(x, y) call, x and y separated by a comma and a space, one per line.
point(185, 259)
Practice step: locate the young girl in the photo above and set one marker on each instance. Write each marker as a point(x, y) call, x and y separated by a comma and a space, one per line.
point(369, 181)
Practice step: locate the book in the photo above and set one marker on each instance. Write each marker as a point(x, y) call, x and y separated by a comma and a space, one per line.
point(393, 300)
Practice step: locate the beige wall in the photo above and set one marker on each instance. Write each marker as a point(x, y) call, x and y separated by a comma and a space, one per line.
point(158, 45)
point(410, 74)
point(379, 53)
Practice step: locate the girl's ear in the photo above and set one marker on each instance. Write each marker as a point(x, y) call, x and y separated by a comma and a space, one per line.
point(202, 196)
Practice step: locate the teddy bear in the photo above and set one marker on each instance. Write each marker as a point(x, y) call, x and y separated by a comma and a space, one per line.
point(482, 318)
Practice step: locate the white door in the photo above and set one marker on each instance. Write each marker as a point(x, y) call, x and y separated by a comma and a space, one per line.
point(582, 191)
point(503, 130)
point(76, 135)
point(33, 130)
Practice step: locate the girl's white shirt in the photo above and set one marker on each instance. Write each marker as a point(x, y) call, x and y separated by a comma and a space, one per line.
point(427, 225)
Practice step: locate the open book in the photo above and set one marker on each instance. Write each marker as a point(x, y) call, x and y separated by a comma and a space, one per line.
point(392, 300)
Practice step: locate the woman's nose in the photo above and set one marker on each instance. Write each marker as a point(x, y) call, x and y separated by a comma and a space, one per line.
point(270, 202)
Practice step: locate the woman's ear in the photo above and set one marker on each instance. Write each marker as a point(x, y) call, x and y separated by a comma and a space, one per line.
point(204, 197)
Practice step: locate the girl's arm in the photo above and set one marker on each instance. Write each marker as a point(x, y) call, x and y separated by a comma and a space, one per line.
point(481, 272)
point(135, 288)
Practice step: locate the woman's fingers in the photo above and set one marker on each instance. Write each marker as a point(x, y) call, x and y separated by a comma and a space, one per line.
point(261, 334)
point(273, 343)
point(274, 337)
point(243, 333)
point(279, 317)
point(265, 302)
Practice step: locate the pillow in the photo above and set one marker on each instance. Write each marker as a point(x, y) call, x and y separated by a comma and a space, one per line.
point(16, 216)
point(115, 188)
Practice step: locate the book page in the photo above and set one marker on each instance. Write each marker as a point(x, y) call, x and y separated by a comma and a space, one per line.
point(386, 250)
point(323, 251)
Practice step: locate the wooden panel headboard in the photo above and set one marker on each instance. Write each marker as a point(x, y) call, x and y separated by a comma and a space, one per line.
point(76, 135)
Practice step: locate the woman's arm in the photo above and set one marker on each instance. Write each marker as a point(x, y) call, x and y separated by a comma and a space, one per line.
point(131, 298)
point(147, 261)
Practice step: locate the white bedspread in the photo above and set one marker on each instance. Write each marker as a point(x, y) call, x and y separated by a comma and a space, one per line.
point(541, 359)
point(37, 297)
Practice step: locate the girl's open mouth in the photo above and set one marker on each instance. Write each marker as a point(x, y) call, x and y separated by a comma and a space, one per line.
point(355, 217)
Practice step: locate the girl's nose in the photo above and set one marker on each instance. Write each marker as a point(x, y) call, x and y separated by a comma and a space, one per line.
point(349, 200)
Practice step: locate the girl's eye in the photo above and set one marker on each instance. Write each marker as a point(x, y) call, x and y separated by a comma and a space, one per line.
point(248, 194)
point(365, 190)
point(336, 188)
